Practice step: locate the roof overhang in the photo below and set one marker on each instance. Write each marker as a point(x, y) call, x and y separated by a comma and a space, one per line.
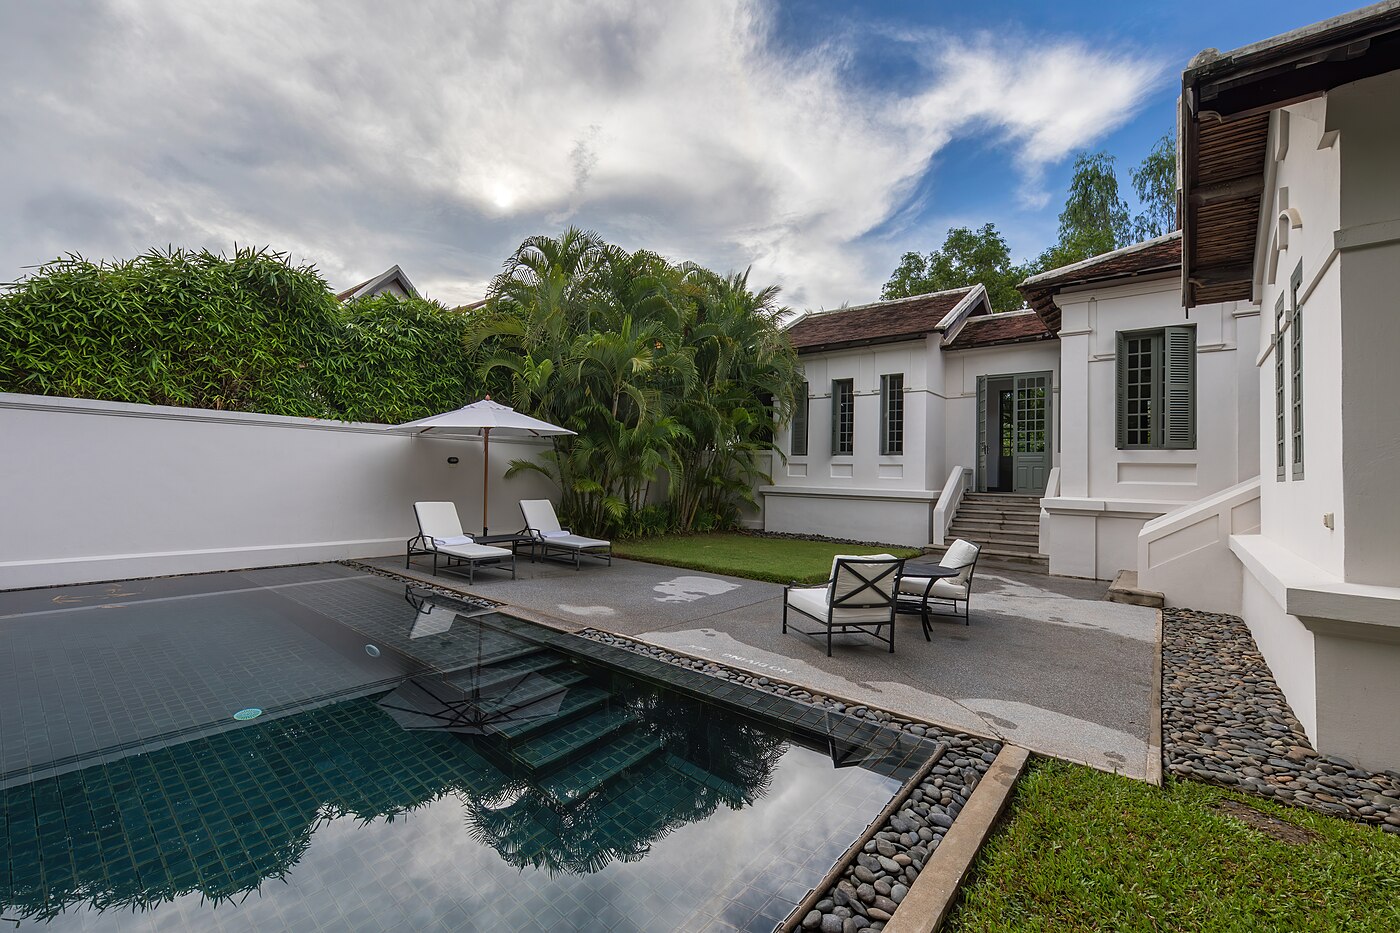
point(1226, 100)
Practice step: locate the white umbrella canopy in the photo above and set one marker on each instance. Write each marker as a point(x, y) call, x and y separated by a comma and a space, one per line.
point(482, 419)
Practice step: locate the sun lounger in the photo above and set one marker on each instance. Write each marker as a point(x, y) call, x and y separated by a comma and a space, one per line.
point(440, 534)
point(543, 525)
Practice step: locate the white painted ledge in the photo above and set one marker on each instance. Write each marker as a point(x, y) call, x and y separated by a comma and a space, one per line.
point(851, 492)
point(1124, 508)
point(1312, 594)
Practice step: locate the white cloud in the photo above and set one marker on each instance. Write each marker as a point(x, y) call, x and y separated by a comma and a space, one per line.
point(439, 136)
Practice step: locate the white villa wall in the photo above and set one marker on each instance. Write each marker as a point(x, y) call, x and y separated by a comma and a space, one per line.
point(961, 369)
point(1324, 603)
point(864, 495)
point(1106, 494)
point(94, 491)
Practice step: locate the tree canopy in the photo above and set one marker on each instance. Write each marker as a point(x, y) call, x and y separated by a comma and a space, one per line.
point(967, 258)
point(1095, 219)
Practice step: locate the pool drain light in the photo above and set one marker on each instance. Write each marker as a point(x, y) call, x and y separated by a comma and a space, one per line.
point(372, 650)
point(244, 715)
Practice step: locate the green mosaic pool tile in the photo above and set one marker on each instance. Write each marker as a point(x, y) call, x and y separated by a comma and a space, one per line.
point(577, 701)
point(571, 737)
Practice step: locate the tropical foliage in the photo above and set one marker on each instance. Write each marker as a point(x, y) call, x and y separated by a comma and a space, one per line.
point(250, 332)
point(665, 371)
point(1095, 219)
point(967, 258)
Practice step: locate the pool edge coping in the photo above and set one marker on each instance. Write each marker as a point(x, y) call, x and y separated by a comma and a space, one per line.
point(932, 895)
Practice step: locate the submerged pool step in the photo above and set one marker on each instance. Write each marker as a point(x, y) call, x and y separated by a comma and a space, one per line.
point(571, 738)
point(535, 688)
point(538, 661)
point(597, 768)
point(579, 701)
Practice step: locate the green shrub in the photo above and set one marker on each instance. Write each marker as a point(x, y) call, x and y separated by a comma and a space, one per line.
point(171, 328)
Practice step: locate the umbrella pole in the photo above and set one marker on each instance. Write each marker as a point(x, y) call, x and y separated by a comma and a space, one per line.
point(485, 474)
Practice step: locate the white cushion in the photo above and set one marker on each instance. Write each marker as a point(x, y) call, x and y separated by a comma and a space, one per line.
point(539, 515)
point(575, 542)
point(849, 582)
point(960, 554)
point(474, 551)
point(438, 519)
point(941, 589)
point(812, 600)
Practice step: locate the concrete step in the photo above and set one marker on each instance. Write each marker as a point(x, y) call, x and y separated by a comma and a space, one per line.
point(994, 558)
point(992, 532)
point(1029, 505)
point(1012, 522)
point(1125, 589)
point(1010, 502)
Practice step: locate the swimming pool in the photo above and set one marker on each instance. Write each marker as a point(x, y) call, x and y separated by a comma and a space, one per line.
point(313, 747)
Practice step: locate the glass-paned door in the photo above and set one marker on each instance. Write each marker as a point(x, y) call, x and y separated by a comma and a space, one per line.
point(1031, 431)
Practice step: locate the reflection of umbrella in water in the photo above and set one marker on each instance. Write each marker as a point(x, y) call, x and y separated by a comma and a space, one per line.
point(422, 703)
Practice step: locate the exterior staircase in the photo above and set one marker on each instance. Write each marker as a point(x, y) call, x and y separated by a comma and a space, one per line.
point(1007, 527)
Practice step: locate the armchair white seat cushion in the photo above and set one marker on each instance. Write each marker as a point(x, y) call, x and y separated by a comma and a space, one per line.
point(815, 600)
point(859, 598)
point(941, 589)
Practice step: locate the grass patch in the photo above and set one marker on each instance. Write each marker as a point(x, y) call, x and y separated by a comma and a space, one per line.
point(1084, 850)
point(776, 560)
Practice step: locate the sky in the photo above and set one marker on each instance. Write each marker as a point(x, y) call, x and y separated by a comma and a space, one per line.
point(811, 142)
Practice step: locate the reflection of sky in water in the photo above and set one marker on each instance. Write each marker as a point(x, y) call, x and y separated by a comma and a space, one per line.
point(424, 869)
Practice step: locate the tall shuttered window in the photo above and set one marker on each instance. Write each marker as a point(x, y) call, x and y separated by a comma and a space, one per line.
point(843, 417)
point(1280, 399)
point(1157, 389)
point(892, 414)
point(799, 424)
point(1295, 353)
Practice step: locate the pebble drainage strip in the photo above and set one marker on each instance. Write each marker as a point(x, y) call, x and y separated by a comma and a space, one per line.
point(869, 887)
point(1225, 721)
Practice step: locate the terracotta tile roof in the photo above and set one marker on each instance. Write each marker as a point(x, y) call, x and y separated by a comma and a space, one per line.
point(990, 330)
point(1151, 256)
point(879, 322)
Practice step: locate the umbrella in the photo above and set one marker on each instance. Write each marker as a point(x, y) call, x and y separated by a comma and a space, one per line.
point(482, 418)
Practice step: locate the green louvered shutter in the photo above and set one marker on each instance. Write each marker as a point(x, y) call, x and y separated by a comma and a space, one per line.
point(1179, 388)
point(1121, 393)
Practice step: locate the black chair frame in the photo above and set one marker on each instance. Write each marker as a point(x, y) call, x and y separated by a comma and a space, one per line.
point(854, 600)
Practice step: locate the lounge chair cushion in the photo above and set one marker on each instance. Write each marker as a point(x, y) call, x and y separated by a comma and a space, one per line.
point(812, 600)
point(454, 541)
point(960, 554)
point(575, 542)
point(541, 519)
point(473, 551)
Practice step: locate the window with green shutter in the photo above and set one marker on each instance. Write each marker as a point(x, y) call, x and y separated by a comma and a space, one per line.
point(892, 414)
point(1295, 347)
point(843, 417)
point(1280, 402)
point(798, 445)
point(1156, 389)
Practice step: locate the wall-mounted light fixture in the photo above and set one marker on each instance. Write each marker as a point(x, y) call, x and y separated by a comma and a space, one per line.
point(452, 461)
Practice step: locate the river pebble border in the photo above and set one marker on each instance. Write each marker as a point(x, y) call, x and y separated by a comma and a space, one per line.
point(869, 889)
point(475, 602)
point(1225, 721)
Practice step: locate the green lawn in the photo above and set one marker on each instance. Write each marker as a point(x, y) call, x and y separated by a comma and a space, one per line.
point(777, 560)
point(1084, 850)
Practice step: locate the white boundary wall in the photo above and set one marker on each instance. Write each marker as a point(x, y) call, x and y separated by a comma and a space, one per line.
point(94, 491)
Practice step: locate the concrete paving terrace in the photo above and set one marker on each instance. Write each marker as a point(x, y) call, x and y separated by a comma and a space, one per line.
point(1047, 663)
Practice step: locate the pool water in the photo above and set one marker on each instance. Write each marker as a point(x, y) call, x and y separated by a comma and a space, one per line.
point(471, 772)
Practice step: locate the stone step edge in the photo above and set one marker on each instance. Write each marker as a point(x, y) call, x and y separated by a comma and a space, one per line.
point(933, 893)
point(1124, 589)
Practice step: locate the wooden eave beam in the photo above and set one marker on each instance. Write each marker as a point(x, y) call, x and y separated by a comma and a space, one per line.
point(1228, 274)
point(1232, 190)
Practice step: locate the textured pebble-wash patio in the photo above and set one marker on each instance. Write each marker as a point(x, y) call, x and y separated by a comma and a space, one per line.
point(1046, 663)
point(1225, 721)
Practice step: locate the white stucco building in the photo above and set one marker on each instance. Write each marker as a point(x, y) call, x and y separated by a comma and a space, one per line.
point(894, 390)
point(1158, 408)
point(1290, 172)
